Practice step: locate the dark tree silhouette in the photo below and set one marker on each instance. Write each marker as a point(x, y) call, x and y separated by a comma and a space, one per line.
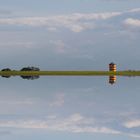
point(30, 69)
point(6, 76)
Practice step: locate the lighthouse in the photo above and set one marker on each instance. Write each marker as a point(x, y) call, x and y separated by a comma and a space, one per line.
point(112, 67)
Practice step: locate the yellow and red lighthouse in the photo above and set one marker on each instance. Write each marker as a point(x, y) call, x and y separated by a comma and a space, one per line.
point(112, 67)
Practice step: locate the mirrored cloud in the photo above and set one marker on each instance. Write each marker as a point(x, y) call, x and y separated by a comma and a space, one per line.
point(75, 123)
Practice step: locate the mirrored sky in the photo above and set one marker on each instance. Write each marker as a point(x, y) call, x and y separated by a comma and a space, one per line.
point(69, 108)
point(69, 35)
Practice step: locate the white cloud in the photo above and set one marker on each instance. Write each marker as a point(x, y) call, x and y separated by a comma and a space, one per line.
point(75, 123)
point(76, 22)
point(133, 135)
point(134, 10)
point(132, 22)
point(68, 125)
point(132, 124)
point(61, 19)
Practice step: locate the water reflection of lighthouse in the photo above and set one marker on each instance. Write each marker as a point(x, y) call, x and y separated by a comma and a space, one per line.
point(112, 67)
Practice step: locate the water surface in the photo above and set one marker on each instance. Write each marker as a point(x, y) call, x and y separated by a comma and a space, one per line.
point(83, 108)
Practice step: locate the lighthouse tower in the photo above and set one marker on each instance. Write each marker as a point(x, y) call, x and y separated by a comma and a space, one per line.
point(112, 67)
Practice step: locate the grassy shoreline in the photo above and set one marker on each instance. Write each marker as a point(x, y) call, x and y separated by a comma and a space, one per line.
point(70, 73)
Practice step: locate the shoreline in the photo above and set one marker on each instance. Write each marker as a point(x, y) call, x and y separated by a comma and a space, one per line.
point(69, 73)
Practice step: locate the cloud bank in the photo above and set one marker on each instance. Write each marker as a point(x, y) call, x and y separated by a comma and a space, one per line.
point(62, 19)
point(132, 22)
point(75, 123)
point(132, 124)
point(75, 22)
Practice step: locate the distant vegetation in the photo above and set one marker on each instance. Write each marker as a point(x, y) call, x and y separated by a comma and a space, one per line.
point(7, 73)
point(29, 77)
point(7, 70)
point(32, 73)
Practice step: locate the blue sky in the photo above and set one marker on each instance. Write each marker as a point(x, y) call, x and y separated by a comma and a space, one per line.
point(69, 35)
point(66, 6)
point(72, 34)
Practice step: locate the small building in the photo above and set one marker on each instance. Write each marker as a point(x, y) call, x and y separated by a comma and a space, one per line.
point(112, 67)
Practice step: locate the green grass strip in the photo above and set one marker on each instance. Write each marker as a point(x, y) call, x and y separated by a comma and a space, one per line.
point(69, 73)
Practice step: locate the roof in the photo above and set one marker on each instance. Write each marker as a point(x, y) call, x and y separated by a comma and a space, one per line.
point(112, 63)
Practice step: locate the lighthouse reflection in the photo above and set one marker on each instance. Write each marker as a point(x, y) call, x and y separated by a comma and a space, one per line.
point(112, 80)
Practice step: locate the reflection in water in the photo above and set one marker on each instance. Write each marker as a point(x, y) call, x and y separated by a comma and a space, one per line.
point(24, 77)
point(81, 106)
point(112, 79)
point(30, 77)
point(6, 76)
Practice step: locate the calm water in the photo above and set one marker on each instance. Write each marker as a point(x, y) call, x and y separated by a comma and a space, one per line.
point(68, 108)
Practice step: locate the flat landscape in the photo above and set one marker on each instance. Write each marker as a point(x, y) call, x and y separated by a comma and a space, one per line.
point(70, 69)
point(70, 73)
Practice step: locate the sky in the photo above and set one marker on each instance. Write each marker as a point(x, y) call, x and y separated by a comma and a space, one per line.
point(81, 34)
point(69, 35)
